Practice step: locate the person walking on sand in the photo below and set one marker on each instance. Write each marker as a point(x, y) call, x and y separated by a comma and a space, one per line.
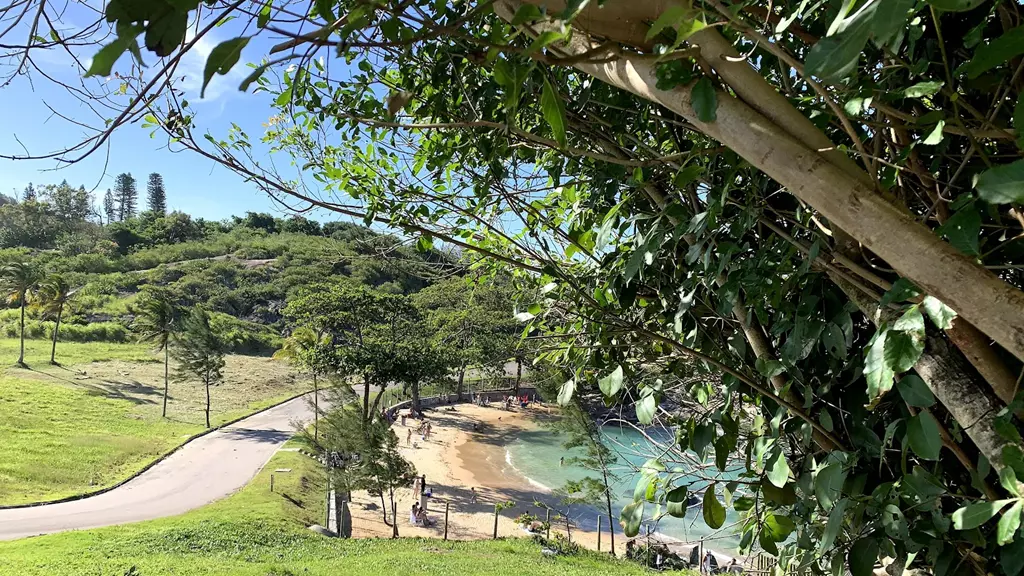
point(472, 495)
point(408, 437)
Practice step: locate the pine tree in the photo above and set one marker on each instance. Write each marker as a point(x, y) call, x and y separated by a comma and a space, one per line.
point(157, 195)
point(126, 195)
point(108, 206)
point(200, 353)
point(29, 195)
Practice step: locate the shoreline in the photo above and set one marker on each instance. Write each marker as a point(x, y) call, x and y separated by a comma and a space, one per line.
point(466, 452)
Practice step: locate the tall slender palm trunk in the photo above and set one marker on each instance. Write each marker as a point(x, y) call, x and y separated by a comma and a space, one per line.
point(21, 357)
point(316, 409)
point(56, 329)
point(167, 362)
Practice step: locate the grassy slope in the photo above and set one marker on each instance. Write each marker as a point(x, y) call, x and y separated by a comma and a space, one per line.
point(94, 421)
point(260, 533)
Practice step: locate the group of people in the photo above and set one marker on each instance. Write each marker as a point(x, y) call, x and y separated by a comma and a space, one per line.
point(418, 516)
point(423, 430)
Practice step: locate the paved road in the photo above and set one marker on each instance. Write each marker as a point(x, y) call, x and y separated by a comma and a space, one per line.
point(206, 469)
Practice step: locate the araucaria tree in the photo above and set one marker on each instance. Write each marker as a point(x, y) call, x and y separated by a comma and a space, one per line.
point(199, 353)
point(126, 196)
point(156, 323)
point(109, 208)
point(794, 227)
point(53, 295)
point(17, 281)
point(156, 196)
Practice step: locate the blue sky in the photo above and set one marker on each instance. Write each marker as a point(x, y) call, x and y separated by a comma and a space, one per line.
point(194, 184)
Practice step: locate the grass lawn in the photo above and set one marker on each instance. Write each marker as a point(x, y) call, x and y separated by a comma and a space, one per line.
point(96, 419)
point(261, 533)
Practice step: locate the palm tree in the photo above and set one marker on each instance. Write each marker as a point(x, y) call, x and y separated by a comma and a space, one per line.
point(54, 293)
point(155, 323)
point(17, 281)
point(302, 349)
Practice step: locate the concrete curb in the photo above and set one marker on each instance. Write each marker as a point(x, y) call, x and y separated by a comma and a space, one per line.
point(159, 459)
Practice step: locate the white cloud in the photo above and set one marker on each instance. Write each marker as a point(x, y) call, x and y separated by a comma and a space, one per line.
point(190, 70)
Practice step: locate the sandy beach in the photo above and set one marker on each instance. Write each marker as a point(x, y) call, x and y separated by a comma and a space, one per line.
point(457, 458)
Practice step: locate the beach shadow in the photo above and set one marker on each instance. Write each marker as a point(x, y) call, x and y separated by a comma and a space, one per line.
point(268, 436)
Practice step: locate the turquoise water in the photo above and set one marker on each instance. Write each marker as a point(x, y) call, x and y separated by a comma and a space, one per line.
point(536, 457)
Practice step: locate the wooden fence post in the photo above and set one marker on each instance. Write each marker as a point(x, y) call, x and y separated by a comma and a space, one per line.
point(271, 482)
point(496, 521)
point(547, 522)
point(337, 512)
point(599, 518)
point(446, 520)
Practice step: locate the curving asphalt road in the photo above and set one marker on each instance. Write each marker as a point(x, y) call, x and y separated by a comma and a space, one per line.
point(204, 470)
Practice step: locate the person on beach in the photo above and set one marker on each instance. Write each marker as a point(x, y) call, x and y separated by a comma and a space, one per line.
point(408, 437)
point(561, 461)
point(403, 419)
point(422, 517)
point(734, 567)
point(414, 514)
point(472, 495)
point(710, 564)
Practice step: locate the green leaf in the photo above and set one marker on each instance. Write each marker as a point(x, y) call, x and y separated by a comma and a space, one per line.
point(935, 136)
point(1002, 184)
point(574, 7)
point(688, 28)
point(672, 16)
point(889, 18)
point(902, 350)
point(630, 518)
point(940, 314)
point(264, 16)
point(828, 484)
point(862, 556)
point(779, 527)
point(714, 512)
point(104, 59)
point(956, 5)
point(645, 409)
point(253, 77)
point(911, 321)
point(222, 58)
point(784, 496)
point(835, 341)
point(612, 383)
point(704, 100)
point(1011, 557)
point(922, 89)
point(834, 57)
point(565, 392)
point(526, 13)
point(915, 392)
point(834, 525)
point(778, 469)
point(325, 9)
point(876, 370)
point(1009, 523)
point(901, 290)
point(976, 514)
point(962, 230)
point(1002, 49)
point(676, 501)
point(545, 38)
point(769, 368)
point(923, 436)
point(1008, 480)
point(554, 111)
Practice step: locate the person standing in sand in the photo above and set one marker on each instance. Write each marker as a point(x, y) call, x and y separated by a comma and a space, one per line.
point(408, 437)
point(472, 495)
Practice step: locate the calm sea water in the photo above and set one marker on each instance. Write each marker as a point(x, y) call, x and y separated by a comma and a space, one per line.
point(535, 456)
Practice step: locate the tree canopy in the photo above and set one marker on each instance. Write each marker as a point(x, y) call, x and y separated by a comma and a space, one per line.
point(800, 220)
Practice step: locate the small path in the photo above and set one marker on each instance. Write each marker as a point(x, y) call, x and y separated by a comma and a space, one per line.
point(204, 470)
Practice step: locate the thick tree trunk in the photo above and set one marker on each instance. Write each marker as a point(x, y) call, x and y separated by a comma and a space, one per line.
point(167, 365)
point(21, 357)
point(56, 330)
point(993, 306)
point(415, 388)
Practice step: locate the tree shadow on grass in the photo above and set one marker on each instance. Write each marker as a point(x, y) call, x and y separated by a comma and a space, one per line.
point(129, 390)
